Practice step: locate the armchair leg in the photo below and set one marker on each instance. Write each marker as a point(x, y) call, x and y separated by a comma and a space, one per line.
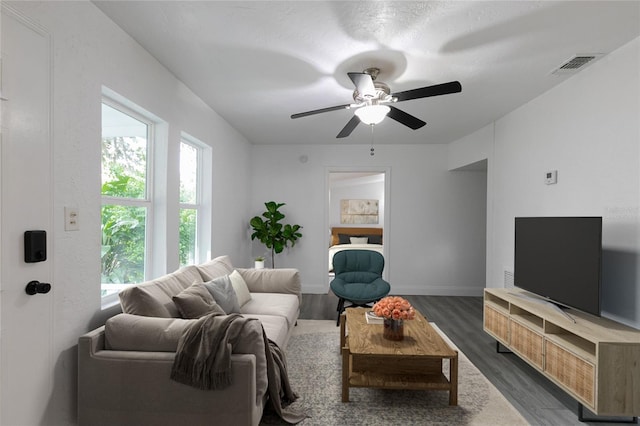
point(340, 309)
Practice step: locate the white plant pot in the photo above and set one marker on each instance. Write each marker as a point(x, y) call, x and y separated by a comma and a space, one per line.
point(259, 264)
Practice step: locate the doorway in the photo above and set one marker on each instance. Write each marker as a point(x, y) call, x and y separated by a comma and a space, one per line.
point(344, 184)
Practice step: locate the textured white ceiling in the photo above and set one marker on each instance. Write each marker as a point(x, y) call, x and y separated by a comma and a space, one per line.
point(256, 63)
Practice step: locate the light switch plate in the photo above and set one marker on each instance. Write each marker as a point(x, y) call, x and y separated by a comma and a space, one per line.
point(71, 217)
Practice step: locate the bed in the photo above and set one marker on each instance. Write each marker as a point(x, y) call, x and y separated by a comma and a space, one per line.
point(343, 238)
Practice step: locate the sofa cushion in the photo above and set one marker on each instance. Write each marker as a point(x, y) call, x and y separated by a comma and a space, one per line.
point(278, 304)
point(224, 294)
point(196, 301)
point(186, 276)
point(275, 327)
point(215, 268)
point(240, 287)
point(138, 301)
point(281, 280)
point(126, 332)
point(154, 297)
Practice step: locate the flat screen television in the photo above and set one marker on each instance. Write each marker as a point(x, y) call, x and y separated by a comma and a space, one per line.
point(560, 259)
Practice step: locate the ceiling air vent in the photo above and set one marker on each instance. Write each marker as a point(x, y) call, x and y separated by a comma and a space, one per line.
point(576, 63)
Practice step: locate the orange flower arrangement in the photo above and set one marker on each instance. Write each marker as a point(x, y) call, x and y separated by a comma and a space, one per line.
point(394, 307)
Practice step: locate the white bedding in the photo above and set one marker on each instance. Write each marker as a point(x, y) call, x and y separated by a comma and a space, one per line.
point(334, 249)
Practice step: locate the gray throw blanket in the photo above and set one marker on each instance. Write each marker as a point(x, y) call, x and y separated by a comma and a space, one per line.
point(203, 360)
point(203, 357)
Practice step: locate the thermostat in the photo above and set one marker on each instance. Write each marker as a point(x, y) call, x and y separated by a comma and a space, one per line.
point(551, 177)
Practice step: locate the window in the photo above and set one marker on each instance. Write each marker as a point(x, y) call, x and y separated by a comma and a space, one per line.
point(126, 196)
point(148, 228)
point(190, 205)
point(196, 164)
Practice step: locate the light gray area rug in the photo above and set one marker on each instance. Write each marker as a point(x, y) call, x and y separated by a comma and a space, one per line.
point(314, 365)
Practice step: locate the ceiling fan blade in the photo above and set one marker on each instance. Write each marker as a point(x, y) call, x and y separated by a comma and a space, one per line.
point(364, 83)
point(405, 118)
point(425, 92)
point(318, 111)
point(352, 124)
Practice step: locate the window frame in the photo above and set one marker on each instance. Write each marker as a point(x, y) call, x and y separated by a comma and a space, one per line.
point(148, 202)
point(198, 206)
point(203, 203)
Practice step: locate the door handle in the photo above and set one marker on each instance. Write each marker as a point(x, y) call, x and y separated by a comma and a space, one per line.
point(35, 287)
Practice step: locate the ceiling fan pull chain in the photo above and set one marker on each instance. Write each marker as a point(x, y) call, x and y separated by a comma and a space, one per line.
point(372, 153)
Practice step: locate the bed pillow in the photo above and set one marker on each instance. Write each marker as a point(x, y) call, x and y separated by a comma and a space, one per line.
point(344, 239)
point(240, 287)
point(359, 240)
point(374, 239)
point(222, 291)
point(196, 301)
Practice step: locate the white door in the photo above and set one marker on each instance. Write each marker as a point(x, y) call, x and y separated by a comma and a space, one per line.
point(26, 322)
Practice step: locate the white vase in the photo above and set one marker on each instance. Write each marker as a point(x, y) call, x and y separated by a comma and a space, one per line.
point(259, 264)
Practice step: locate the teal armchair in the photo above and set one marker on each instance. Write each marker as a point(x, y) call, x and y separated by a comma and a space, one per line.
point(358, 278)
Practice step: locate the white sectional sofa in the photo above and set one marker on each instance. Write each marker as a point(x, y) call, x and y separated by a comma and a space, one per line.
point(124, 366)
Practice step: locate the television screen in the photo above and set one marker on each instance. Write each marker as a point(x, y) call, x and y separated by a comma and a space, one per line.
point(559, 258)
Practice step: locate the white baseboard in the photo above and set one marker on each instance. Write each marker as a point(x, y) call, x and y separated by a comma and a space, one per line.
point(406, 290)
point(315, 289)
point(437, 291)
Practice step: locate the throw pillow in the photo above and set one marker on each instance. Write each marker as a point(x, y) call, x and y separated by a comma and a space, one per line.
point(359, 240)
point(224, 294)
point(195, 301)
point(240, 287)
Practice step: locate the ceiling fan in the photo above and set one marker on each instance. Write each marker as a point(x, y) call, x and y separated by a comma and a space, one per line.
point(371, 98)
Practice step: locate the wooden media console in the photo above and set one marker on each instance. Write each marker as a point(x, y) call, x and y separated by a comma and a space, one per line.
point(594, 359)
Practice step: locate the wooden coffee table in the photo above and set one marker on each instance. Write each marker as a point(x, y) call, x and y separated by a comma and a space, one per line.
point(369, 360)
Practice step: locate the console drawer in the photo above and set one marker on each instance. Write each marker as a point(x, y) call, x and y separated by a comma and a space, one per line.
point(496, 323)
point(573, 372)
point(527, 343)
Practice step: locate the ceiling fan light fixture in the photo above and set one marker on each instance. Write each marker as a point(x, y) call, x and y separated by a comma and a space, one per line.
point(372, 114)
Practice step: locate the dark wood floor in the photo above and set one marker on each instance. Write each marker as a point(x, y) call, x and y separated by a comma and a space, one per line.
point(539, 401)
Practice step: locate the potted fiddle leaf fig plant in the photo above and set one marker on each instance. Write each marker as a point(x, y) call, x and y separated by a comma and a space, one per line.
point(269, 230)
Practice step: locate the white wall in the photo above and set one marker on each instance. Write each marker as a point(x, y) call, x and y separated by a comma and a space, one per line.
point(436, 232)
point(472, 148)
point(356, 189)
point(90, 51)
point(588, 129)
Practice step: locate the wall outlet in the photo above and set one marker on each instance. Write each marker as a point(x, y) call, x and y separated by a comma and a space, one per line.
point(71, 219)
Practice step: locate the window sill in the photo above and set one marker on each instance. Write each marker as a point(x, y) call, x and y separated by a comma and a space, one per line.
point(109, 301)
